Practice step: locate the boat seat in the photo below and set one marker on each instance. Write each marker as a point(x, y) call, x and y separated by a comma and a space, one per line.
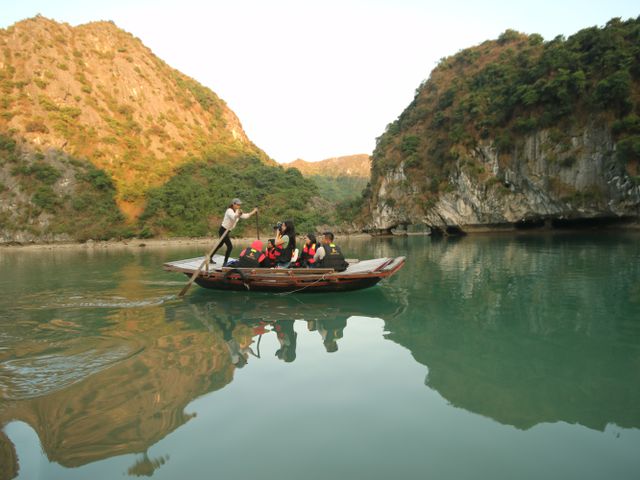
point(282, 271)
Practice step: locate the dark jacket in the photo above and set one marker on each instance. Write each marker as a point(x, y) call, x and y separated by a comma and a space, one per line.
point(250, 258)
point(333, 258)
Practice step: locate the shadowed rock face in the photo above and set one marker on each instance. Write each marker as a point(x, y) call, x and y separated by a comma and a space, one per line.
point(525, 188)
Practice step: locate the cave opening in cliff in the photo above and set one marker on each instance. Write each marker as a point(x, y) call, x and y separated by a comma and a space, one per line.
point(530, 224)
point(590, 223)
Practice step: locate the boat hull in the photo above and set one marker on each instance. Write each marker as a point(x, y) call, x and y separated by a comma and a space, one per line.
point(359, 275)
point(310, 286)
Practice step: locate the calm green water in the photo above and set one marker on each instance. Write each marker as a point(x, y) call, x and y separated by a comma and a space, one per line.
point(486, 357)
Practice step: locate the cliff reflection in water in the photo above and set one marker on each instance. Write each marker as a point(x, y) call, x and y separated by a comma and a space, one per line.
point(523, 332)
point(131, 404)
point(146, 365)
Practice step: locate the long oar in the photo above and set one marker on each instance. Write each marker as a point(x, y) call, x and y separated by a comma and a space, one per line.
point(257, 226)
point(206, 260)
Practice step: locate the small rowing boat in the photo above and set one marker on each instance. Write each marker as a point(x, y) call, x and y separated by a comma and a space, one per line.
point(360, 274)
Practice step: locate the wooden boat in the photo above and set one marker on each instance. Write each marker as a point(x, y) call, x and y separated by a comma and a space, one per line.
point(360, 274)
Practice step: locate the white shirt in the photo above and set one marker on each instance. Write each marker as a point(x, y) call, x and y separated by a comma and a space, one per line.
point(320, 253)
point(231, 218)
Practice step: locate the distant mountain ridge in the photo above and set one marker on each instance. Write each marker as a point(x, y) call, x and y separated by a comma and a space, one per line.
point(349, 166)
point(95, 91)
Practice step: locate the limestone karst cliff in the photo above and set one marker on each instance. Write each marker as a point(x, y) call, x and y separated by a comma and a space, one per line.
point(517, 132)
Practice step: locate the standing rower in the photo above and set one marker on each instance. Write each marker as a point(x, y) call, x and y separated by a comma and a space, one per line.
point(231, 217)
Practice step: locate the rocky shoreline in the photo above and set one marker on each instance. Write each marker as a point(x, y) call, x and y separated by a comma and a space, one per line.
point(91, 244)
point(205, 242)
point(532, 225)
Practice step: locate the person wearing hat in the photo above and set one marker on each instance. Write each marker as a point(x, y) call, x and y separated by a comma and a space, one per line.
point(231, 217)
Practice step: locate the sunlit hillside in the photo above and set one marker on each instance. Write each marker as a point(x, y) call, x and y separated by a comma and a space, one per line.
point(95, 91)
point(348, 166)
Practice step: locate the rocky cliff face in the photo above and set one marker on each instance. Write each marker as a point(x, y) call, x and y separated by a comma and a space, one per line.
point(518, 133)
point(537, 184)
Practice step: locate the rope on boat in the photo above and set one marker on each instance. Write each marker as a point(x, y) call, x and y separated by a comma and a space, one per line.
point(300, 289)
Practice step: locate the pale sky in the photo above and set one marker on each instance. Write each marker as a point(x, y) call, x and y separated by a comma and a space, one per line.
point(319, 79)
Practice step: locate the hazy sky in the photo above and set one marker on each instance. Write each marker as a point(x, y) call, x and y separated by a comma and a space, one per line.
point(318, 79)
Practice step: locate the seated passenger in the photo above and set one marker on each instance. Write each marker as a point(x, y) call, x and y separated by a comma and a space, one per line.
point(252, 256)
point(306, 260)
point(329, 255)
point(271, 255)
point(285, 243)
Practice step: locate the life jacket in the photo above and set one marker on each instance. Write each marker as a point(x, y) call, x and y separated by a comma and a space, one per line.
point(284, 254)
point(269, 258)
point(273, 253)
point(333, 258)
point(250, 258)
point(308, 251)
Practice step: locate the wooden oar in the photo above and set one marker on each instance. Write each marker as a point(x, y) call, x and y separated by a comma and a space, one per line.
point(257, 226)
point(205, 262)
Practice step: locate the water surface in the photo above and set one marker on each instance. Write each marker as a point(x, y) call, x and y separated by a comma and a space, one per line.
point(484, 357)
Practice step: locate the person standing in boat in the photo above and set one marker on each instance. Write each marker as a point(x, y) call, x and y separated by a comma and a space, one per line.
point(230, 220)
point(285, 243)
point(238, 351)
point(329, 255)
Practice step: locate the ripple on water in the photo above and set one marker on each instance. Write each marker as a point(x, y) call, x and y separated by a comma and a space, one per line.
point(36, 376)
point(114, 302)
point(57, 299)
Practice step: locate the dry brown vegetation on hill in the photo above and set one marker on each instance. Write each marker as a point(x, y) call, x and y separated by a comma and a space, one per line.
point(348, 166)
point(96, 92)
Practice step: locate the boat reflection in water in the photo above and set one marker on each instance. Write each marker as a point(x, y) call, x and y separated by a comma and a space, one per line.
point(124, 389)
point(250, 316)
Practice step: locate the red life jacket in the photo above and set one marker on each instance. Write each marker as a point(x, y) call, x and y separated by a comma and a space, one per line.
point(273, 253)
point(270, 258)
point(307, 254)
